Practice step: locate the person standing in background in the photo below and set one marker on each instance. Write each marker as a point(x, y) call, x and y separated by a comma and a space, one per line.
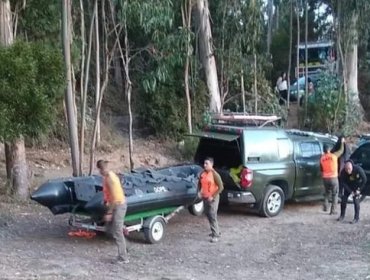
point(282, 87)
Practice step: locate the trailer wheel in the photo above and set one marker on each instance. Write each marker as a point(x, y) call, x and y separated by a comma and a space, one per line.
point(154, 229)
point(197, 209)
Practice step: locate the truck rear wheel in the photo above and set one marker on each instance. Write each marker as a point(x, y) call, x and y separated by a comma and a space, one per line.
point(272, 202)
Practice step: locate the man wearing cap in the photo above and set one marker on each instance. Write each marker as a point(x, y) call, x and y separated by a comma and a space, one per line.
point(353, 179)
point(329, 171)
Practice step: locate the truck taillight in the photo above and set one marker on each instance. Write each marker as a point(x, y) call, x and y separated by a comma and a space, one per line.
point(246, 178)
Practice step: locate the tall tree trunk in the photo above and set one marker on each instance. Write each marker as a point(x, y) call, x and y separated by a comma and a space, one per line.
point(243, 91)
point(128, 87)
point(6, 39)
point(290, 50)
point(306, 60)
point(352, 62)
point(270, 7)
point(15, 152)
point(255, 84)
point(86, 83)
point(97, 73)
point(108, 56)
point(20, 179)
point(6, 26)
point(206, 54)
point(69, 97)
point(297, 61)
point(82, 90)
point(186, 15)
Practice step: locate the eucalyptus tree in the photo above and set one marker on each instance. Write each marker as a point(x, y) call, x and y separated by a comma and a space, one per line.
point(69, 94)
point(350, 19)
point(206, 53)
point(31, 81)
point(237, 36)
point(15, 154)
point(150, 40)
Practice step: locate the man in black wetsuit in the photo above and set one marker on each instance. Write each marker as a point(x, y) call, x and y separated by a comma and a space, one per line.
point(353, 179)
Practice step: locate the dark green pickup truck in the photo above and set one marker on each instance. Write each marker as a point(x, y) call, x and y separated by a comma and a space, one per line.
point(277, 164)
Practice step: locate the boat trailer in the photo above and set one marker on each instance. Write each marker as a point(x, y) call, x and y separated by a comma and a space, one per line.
point(152, 223)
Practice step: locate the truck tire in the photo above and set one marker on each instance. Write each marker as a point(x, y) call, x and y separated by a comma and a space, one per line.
point(272, 202)
point(197, 209)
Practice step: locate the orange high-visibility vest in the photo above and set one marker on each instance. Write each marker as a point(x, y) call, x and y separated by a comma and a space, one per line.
point(329, 165)
point(207, 184)
point(116, 195)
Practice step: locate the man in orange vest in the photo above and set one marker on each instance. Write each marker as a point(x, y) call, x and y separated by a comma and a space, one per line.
point(115, 202)
point(210, 188)
point(329, 171)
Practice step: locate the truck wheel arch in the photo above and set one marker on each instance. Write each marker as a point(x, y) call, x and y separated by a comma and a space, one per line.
point(283, 185)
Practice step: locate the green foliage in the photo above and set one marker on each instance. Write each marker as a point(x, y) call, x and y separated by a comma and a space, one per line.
point(31, 82)
point(165, 109)
point(40, 21)
point(189, 147)
point(326, 106)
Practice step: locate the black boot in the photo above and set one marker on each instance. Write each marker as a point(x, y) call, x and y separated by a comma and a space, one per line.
point(355, 221)
point(340, 219)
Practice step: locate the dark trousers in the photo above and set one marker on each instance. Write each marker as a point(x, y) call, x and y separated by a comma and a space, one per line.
point(331, 189)
point(356, 204)
point(210, 209)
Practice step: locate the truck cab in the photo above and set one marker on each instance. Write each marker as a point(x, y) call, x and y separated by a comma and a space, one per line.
point(272, 164)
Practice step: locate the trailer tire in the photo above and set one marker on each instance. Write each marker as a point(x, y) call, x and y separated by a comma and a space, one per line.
point(197, 208)
point(154, 229)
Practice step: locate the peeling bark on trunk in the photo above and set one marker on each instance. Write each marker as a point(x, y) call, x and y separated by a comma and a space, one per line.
point(19, 178)
point(352, 63)
point(351, 71)
point(206, 54)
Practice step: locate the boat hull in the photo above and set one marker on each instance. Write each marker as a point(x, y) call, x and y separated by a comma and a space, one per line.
point(145, 190)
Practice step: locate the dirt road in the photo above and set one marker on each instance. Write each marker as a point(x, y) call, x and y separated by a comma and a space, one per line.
point(301, 243)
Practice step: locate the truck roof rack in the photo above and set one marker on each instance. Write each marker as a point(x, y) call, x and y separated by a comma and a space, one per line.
point(243, 119)
point(310, 133)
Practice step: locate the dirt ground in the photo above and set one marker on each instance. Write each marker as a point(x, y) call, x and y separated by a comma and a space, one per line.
point(301, 243)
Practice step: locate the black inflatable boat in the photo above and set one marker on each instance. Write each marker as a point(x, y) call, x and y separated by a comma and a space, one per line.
point(145, 190)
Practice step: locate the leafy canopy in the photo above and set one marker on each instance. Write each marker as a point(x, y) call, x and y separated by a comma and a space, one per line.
point(31, 80)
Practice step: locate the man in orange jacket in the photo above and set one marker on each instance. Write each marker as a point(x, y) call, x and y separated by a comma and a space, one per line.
point(115, 201)
point(329, 171)
point(210, 188)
